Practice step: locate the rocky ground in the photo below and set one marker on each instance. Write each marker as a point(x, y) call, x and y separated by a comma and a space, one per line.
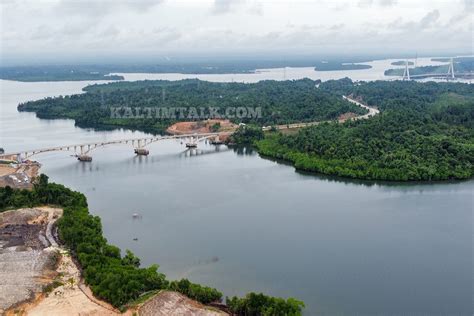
point(167, 303)
point(27, 260)
point(39, 277)
point(18, 176)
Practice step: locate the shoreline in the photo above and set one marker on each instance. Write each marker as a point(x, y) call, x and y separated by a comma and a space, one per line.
point(58, 287)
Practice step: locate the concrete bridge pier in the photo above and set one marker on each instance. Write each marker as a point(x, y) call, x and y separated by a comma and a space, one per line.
point(192, 143)
point(83, 155)
point(216, 141)
point(142, 151)
point(139, 150)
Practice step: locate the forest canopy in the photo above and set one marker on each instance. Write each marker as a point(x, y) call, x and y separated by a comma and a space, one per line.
point(281, 102)
point(425, 131)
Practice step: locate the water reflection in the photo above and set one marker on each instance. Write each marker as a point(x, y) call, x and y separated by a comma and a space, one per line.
point(343, 246)
point(367, 183)
point(244, 150)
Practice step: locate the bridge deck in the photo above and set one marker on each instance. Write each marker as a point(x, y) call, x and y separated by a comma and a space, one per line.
point(146, 140)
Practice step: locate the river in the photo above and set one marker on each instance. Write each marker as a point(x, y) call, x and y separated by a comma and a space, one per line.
point(232, 220)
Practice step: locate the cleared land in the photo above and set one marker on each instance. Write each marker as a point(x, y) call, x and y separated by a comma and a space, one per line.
point(167, 303)
point(27, 262)
point(70, 297)
point(18, 176)
point(39, 277)
point(201, 127)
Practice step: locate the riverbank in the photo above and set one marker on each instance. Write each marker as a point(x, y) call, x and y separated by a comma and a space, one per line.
point(428, 139)
point(116, 278)
point(40, 277)
point(37, 276)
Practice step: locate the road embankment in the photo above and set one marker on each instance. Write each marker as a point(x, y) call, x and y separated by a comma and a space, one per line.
point(39, 277)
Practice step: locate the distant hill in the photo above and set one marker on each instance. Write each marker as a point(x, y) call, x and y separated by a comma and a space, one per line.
point(55, 73)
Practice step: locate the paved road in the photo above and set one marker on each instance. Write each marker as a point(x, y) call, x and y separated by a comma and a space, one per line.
point(372, 112)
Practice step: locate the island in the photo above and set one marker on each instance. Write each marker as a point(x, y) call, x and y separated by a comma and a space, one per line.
point(334, 65)
point(157, 104)
point(420, 131)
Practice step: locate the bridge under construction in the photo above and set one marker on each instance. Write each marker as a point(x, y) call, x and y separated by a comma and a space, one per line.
point(83, 151)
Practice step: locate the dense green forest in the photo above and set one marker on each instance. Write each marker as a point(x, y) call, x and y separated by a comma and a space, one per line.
point(461, 65)
point(425, 131)
point(281, 102)
point(119, 279)
point(55, 73)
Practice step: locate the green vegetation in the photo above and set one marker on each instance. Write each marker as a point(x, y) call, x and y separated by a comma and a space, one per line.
point(246, 135)
point(116, 279)
point(215, 127)
point(99, 72)
point(260, 304)
point(197, 292)
point(51, 286)
point(425, 132)
point(280, 102)
point(55, 73)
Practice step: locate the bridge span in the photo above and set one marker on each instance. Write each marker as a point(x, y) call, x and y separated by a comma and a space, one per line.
point(82, 151)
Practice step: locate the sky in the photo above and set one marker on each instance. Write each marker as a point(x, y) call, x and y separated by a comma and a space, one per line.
point(35, 31)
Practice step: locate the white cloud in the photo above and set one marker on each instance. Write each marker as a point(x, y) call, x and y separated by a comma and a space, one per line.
point(168, 27)
point(224, 6)
point(429, 19)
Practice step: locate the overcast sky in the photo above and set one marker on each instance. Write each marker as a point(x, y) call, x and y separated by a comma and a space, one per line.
point(32, 30)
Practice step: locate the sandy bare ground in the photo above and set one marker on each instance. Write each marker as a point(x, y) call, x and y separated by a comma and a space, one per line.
point(200, 127)
point(69, 298)
point(6, 169)
point(26, 267)
point(18, 175)
point(26, 258)
point(167, 303)
point(29, 261)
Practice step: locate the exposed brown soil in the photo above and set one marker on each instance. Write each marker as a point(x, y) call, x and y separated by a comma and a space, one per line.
point(346, 116)
point(19, 176)
point(30, 260)
point(69, 298)
point(27, 260)
point(201, 127)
